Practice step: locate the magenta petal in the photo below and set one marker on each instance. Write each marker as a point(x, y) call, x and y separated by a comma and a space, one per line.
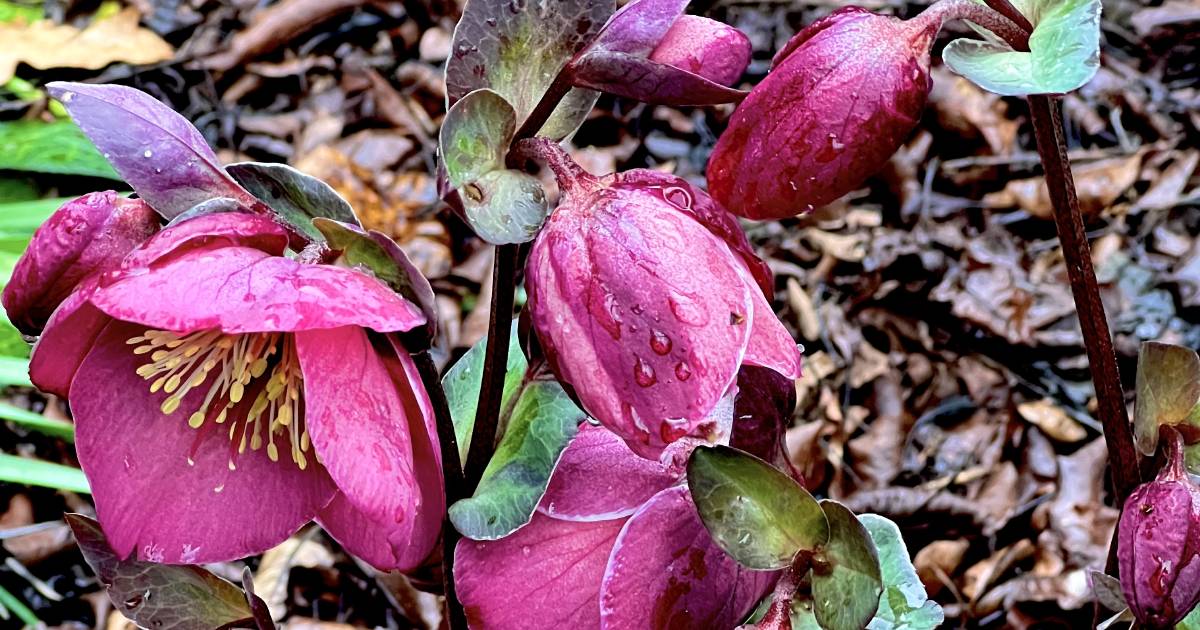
point(599, 478)
point(66, 340)
point(544, 575)
point(639, 26)
point(84, 238)
point(149, 498)
point(771, 345)
point(223, 229)
point(718, 52)
point(239, 290)
point(362, 418)
point(643, 305)
point(665, 572)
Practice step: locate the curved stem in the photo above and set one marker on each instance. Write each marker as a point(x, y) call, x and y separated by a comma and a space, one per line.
point(995, 21)
point(452, 477)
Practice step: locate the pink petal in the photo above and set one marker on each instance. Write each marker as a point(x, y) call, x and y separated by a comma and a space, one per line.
point(718, 52)
point(545, 575)
point(643, 305)
point(66, 340)
point(210, 231)
point(665, 572)
point(362, 417)
point(599, 478)
point(84, 238)
point(771, 345)
point(149, 499)
point(239, 289)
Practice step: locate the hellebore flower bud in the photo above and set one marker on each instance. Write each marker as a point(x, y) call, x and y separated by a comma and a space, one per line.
point(716, 51)
point(1158, 545)
point(842, 96)
point(644, 307)
point(84, 238)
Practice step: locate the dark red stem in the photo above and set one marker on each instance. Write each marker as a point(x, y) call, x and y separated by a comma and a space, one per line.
point(452, 477)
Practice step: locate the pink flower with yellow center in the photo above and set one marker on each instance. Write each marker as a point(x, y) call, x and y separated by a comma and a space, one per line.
point(225, 394)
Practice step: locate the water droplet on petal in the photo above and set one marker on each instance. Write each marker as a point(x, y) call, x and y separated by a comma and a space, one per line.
point(686, 309)
point(643, 374)
point(147, 153)
point(682, 371)
point(660, 343)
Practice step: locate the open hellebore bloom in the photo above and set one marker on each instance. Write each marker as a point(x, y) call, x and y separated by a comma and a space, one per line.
point(81, 240)
point(225, 394)
point(650, 50)
point(1159, 545)
point(647, 298)
point(842, 96)
point(615, 543)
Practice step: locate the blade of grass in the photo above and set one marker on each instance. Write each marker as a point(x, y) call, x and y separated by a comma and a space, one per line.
point(26, 216)
point(38, 422)
point(14, 372)
point(34, 472)
point(10, 601)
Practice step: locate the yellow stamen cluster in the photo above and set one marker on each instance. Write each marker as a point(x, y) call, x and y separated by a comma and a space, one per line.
point(238, 362)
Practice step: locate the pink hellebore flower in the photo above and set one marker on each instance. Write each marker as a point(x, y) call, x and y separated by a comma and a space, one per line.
point(225, 394)
point(615, 544)
point(647, 298)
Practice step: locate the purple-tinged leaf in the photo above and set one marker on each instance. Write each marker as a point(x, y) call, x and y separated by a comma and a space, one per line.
point(846, 578)
point(259, 609)
point(666, 572)
point(755, 512)
point(638, 77)
point(296, 198)
point(157, 151)
point(638, 27)
point(1168, 389)
point(160, 596)
point(518, 47)
point(546, 574)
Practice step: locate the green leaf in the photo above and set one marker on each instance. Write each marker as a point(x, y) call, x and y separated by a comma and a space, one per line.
point(57, 147)
point(14, 371)
point(542, 422)
point(27, 12)
point(1191, 621)
point(1064, 52)
point(462, 381)
point(295, 197)
point(475, 136)
point(34, 472)
point(1168, 388)
point(12, 344)
point(505, 206)
point(517, 47)
point(756, 513)
point(161, 596)
point(846, 578)
point(38, 422)
point(904, 604)
point(12, 189)
point(24, 217)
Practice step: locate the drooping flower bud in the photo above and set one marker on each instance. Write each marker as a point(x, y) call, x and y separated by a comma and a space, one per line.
point(643, 306)
point(85, 237)
point(714, 50)
point(842, 96)
point(1158, 545)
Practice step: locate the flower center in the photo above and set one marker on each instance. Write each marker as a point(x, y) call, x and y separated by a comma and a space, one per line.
point(263, 365)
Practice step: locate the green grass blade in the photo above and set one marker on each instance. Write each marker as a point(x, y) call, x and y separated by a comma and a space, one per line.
point(38, 422)
point(10, 601)
point(23, 217)
point(34, 472)
point(14, 372)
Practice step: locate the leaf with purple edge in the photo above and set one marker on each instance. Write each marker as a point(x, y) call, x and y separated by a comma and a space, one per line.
point(518, 47)
point(638, 26)
point(1168, 388)
point(295, 197)
point(637, 77)
point(755, 512)
point(846, 577)
point(160, 596)
point(157, 151)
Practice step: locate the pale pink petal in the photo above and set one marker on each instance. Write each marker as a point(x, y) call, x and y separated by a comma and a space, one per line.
point(771, 345)
point(718, 52)
point(66, 340)
point(665, 572)
point(599, 478)
point(222, 229)
point(545, 575)
point(240, 289)
point(361, 415)
point(645, 307)
point(149, 498)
